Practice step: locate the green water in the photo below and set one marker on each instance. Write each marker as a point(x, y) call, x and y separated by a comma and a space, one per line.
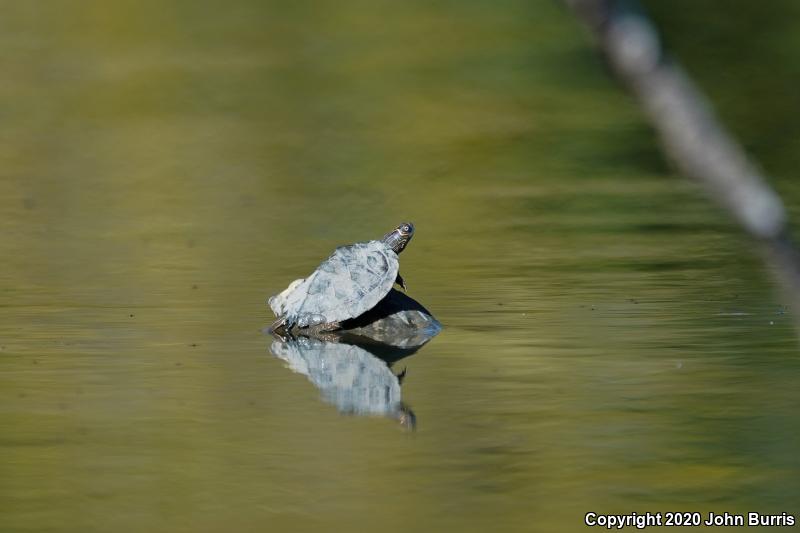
point(611, 342)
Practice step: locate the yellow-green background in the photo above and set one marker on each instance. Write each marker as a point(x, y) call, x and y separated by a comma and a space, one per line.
point(611, 342)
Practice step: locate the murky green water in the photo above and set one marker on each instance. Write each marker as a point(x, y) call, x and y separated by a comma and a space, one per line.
point(611, 342)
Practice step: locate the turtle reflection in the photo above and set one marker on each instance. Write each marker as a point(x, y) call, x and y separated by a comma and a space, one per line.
point(352, 367)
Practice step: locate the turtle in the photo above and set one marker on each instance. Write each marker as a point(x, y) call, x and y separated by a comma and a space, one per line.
point(347, 284)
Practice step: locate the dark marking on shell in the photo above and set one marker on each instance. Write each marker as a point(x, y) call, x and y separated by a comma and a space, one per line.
point(319, 285)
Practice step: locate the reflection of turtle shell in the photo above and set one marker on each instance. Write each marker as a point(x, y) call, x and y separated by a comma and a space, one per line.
point(349, 377)
point(347, 284)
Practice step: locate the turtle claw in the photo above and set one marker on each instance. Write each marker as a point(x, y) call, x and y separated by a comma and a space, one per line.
point(284, 324)
point(278, 325)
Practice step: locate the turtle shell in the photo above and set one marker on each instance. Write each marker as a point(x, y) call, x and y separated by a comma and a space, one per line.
point(348, 283)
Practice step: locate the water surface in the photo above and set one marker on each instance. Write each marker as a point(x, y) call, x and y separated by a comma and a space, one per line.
point(611, 342)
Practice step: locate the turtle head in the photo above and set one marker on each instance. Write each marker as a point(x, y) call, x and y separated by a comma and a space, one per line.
point(398, 238)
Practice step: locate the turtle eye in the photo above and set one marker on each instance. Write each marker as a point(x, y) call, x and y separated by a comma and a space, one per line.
point(406, 229)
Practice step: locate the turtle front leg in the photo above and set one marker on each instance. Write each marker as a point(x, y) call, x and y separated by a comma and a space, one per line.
point(322, 331)
point(399, 280)
point(278, 324)
point(285, 323)
point(322, 328)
